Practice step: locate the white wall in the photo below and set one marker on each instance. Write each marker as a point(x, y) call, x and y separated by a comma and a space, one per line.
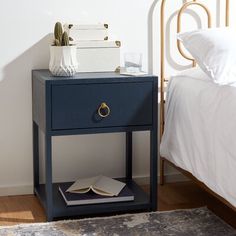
point(25, 27)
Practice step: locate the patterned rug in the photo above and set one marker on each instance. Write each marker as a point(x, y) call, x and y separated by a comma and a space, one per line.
point(199, 222)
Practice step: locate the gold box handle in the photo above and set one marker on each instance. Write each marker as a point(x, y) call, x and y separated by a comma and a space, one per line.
point(104, 110)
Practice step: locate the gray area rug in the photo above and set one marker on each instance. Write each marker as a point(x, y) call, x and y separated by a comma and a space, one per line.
point(181, 223)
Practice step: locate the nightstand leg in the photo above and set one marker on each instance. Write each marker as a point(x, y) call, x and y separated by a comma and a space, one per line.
point(48, 172)
point(36, 154)
point(153, 170)
point(129, 155)
point(153, 150)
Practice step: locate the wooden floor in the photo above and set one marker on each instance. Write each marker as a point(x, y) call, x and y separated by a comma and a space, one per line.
point(26, 209)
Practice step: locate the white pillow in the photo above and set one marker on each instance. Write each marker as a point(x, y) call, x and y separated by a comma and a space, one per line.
point(215, 52)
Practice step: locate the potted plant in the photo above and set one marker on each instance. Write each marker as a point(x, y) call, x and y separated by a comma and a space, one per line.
point(63, 59)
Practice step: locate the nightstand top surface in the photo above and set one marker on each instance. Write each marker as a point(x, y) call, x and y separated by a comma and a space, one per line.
point(45, 75)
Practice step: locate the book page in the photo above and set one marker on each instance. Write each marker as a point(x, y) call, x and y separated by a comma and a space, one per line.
point(108, 186)
point(100, 192)
point(82, 185)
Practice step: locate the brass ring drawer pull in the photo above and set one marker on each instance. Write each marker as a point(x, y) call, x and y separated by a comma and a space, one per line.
point(104, 110)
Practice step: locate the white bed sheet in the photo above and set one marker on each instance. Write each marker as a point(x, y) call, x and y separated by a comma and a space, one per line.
point(200, 130)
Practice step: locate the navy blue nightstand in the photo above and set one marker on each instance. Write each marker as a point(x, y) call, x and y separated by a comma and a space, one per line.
point(90, 103)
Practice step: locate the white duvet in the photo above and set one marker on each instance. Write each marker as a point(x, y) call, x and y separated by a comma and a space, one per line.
point(200, 130)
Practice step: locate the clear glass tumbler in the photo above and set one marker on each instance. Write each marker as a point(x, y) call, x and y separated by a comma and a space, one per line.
point(133, 62)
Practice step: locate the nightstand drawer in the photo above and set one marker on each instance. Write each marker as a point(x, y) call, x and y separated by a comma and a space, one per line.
point(121, 104)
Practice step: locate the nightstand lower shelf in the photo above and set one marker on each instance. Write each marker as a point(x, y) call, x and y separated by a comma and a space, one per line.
point(60, 209)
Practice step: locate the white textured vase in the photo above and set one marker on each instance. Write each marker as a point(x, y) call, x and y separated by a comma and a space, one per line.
point(63, 60)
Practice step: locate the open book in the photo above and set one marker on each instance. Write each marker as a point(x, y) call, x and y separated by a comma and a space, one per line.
point(101, 185)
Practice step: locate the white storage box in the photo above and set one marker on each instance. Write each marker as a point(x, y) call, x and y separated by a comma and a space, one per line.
point(98, 56)
point(87, 32)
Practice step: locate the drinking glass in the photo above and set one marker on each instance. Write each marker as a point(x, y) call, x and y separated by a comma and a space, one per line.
point(133, 62)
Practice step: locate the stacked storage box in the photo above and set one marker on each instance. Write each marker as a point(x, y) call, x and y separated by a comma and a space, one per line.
point(95, 53)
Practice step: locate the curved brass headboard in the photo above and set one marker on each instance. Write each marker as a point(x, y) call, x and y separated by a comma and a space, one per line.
point(162, 41)
point(179, 24)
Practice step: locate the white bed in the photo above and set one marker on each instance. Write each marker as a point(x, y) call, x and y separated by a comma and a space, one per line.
point(200, 130)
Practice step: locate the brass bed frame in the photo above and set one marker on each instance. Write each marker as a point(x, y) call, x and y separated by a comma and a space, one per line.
point(164, 80)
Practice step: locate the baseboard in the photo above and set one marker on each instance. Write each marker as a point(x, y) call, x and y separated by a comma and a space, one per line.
point(169, 178)
point(142, 180)
point(16, 190)
point(175, 177)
